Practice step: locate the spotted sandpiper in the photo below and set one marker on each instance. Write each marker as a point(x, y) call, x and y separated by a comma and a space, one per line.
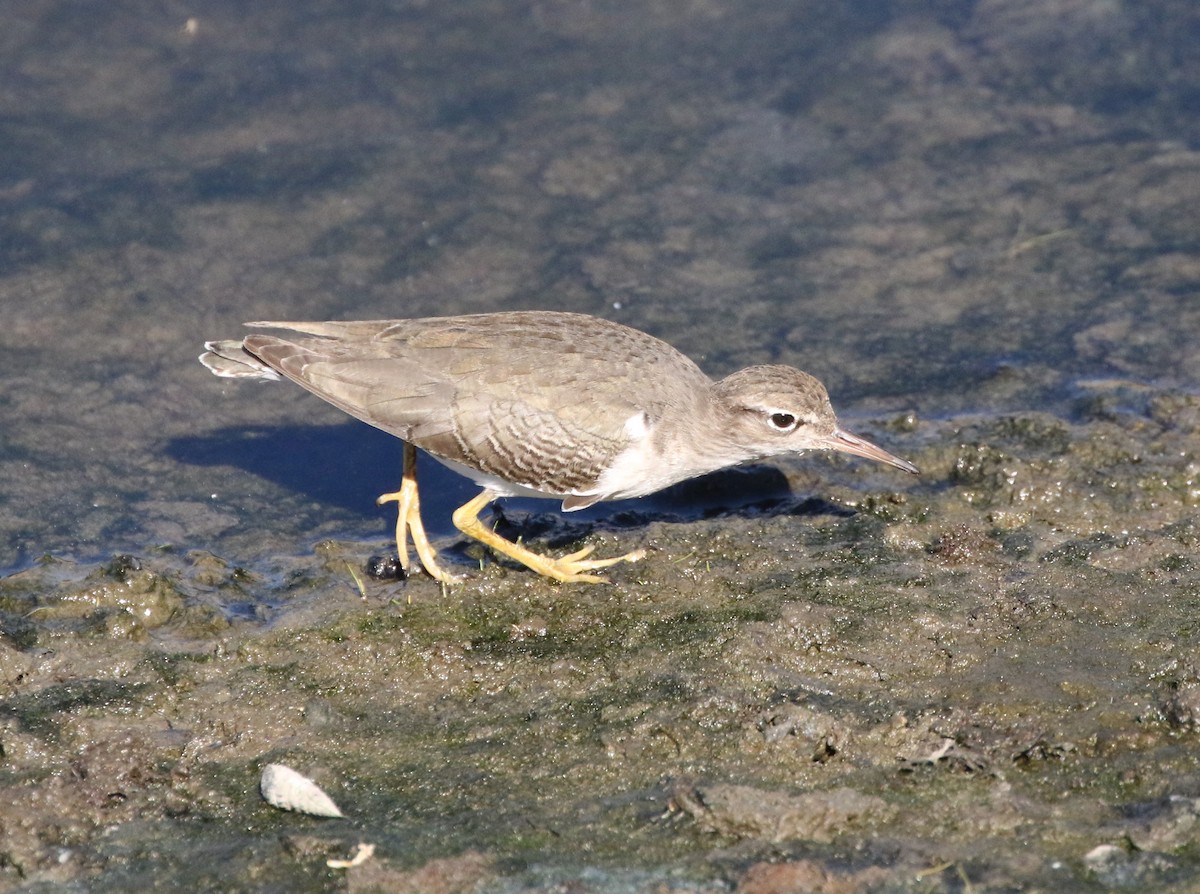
point(535, 403)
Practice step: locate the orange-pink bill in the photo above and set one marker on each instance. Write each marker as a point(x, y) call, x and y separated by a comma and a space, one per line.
point(845, 442)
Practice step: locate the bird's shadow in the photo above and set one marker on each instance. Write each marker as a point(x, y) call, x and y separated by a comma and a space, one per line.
point(350, 464)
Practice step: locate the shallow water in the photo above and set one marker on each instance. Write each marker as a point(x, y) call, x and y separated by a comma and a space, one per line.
point(977, 223)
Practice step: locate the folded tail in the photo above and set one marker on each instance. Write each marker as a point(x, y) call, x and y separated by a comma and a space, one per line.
point(229, 360)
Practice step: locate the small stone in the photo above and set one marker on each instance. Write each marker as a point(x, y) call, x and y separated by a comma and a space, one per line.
point(385, 568)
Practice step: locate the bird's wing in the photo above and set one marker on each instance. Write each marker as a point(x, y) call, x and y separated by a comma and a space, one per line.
point(506, 393)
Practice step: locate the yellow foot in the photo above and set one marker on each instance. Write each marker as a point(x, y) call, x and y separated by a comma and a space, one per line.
point(408, 521)
point(570, 569)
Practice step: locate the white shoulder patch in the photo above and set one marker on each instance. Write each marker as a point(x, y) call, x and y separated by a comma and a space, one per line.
point(637, 426)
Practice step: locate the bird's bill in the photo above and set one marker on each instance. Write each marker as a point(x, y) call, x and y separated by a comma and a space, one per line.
point(845, 442)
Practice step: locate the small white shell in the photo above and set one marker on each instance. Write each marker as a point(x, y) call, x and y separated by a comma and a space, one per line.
point(1103, 855)
point(286, 789)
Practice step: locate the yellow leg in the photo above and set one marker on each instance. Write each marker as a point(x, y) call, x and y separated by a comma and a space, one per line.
point(408, 520)
point(569, 569)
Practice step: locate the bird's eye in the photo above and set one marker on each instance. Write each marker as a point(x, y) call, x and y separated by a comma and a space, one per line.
point(782, 421)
